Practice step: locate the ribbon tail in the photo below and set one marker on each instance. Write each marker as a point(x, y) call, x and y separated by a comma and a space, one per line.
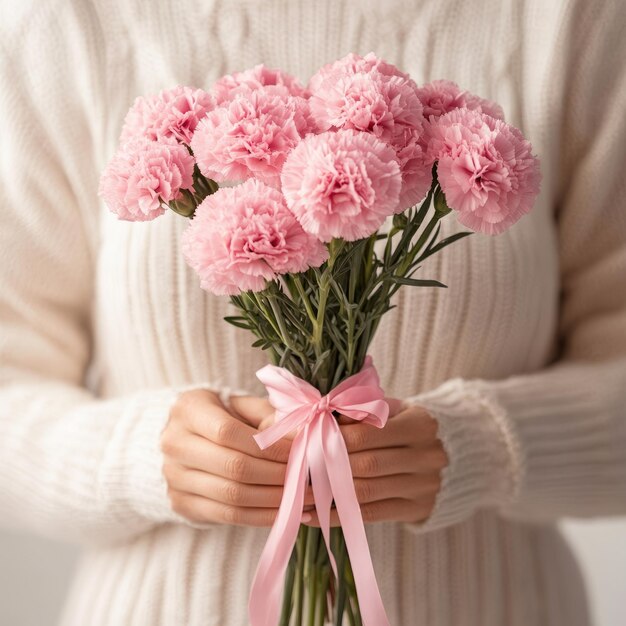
point(322, 492)
point(267, 587)
point(346, 502)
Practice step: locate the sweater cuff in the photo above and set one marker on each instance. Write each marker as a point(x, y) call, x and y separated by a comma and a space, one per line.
point(131, 475)
point(482, 454)
point(132, 470)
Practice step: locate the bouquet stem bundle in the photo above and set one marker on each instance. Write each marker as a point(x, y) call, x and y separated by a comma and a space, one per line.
point(318, 325)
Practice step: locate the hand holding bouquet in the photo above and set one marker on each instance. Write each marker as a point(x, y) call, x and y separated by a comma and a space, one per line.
point(299, 246)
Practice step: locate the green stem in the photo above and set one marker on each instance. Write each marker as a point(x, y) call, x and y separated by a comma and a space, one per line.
point(285, 614)
point(423, 238)
point(310, 558)
point(322, 597)
point(324, 285)
point(305, 299)
point(283, 332)
point(353, 595)
point(369, 259)
point(340, 556)
point(412, 227)
point(350, 612)
point(299, 590)
point(312, 599)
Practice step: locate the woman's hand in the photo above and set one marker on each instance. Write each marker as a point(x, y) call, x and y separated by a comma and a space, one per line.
point(214, 469)
point(396, 469)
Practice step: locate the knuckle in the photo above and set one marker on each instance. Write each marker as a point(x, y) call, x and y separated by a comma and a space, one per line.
point(225, 432)
point(232, 493)
point(232, 515)
point(370, 513)
point(273, 453)
point(278, 453)
point(168, 443)
point(355, 438)
point(184, 402)
point(236, 467)
point(364, 490)
point(188, 402)
point(369, 465)
point(269, 518)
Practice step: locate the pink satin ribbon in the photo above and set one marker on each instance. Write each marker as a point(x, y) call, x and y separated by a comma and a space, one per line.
point(318, 448)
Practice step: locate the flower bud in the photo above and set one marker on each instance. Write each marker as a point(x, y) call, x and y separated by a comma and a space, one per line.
point(185, 205)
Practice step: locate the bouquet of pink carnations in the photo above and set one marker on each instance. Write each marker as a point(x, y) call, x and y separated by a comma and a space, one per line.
point(334, 201)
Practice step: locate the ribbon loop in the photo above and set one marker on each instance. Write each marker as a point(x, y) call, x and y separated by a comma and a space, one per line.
point(318, 450)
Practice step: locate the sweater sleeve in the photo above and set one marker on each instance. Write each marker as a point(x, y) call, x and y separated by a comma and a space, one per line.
point(552, 443)
point(71, 465)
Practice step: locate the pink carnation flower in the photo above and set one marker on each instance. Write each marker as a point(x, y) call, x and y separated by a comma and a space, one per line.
point(486, 170)
point(172, 113)
point(367, 94)
point(439, 97)
point(342, 184)
point(243, 236)
point(250, 136)
point(442, 96)
point(259, 77)
point(143, 175)
point(355, 64)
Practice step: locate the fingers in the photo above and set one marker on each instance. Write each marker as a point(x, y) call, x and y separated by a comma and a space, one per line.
point(198, 453)
point(390, 510)
point(252, 409)
point(389, 461)
point(205, 418)
point(202, 510)
point(397, 486)
point(223, 490)
point(412, 426)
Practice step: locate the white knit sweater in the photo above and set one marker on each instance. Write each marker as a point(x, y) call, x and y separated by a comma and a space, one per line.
point(522, 360)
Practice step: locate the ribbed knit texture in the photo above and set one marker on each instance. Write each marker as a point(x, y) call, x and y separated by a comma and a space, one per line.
point(522, 360)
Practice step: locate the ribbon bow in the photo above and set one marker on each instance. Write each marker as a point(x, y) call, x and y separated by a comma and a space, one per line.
point(318, 448)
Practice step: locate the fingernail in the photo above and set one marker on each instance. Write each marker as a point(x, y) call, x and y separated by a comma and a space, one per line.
point(306, 517)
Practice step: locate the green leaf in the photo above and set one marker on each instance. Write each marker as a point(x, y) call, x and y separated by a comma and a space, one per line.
point(416, 282)
point(240, 322)
point(443, 243)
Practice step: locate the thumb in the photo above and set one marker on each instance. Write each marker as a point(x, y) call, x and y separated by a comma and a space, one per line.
point(252, 409)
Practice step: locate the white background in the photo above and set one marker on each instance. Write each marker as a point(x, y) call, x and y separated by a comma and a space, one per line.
point(34, 574)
